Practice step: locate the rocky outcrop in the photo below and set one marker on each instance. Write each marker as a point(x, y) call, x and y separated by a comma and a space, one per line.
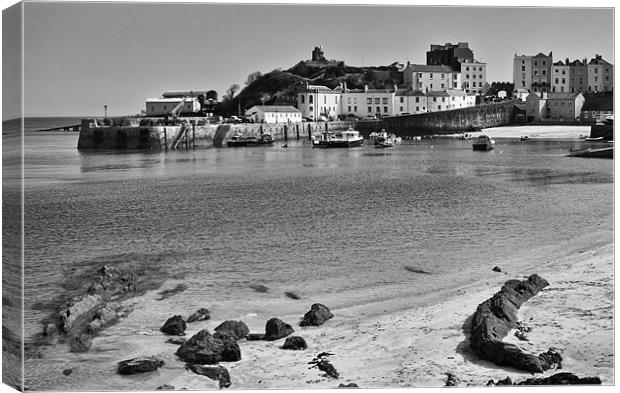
point(294, 343)
point(275, 329)
point(555, 379)
point(216, 373)
point(316, 316)
point(165, 387)
point(201, 315)
point(255, 336)
point(80, 342)
point(139, 365)
point(204, 348)
point(174, 326)
point(234, 329)
point(351, 385)
point(321, 362)
point(495, 317)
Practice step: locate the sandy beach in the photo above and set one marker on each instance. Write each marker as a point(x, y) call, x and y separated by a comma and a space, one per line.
point(415, 342)
point(536, 132)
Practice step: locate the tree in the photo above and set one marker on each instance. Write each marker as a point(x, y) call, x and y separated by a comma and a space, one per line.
point(230, 92)
point(253, 77)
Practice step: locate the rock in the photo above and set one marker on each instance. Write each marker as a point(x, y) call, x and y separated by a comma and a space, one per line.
point(295, 343)
point(201, 315)
point(80, 342)
point(204, 348)
point(139, 365)
point(176, 341)
point(322, 363)
point(521, 336)
point(165, 387)
point(292, 295)
point(216, 373)
point(452, 380)
point(255, 336)
point(562, 379)
point(316, 316)
point(276, 329)
point(80, 313)
point(235, 329)
point(50, 330)
point(495, 317)
point(550, 359)
point(67, 372)
point(259, 288)
point(414, 269)
point(505, 381)
point(497, 269)
point(349, 385)
point(174, 326)
point(165, 294)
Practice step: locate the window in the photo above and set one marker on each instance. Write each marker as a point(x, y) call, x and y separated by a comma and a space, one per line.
point(474, 76)
point(369, 109)
point(378, 109)
point(480, 76)
point(563, 80)
point(439, 107)
point(401, 108)
point(369, 101)
point(557, 80)
point(349, 108)
point(544, 63)
point(434, 99)
point(443, 76)
point(355, 108)
point(442, 85)
point(417, 108)
point(522, 68)
point(417, 99)
point(377, 100)
point(467, 76)
point(595, 80)
point(443, 99)
point(324, 99)
point(535, 63)
point(535, 72)
point(544, 72)
point(152, 108)
point(336, 97)
point(310, 108)
point(402, 99)
point(310, 98)
point(384, 100)
point(466, 68)
point(385, 109)
point(452, 98)
point(431, 86)
point(563, 72)
point(431, 75)
point(303, 99)
point(419, 75)
point(348, 100)
point(596, 70)
point(480, 69)
point(556, 70)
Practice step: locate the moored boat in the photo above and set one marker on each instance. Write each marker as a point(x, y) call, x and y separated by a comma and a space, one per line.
point(348, 138)
point(590, 152)
point(263, 139)
point(483, 142)
point(237, 140)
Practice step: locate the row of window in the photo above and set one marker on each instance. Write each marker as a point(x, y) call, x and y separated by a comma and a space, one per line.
point(473, 76)
point(473, 69)
point(454, 76)
point(311, 99)
point(377, 100)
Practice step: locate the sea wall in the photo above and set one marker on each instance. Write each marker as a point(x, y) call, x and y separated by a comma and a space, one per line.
point(452, 121)
point(132, 136)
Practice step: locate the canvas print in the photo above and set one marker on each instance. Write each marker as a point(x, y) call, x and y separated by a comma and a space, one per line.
point(200, 196)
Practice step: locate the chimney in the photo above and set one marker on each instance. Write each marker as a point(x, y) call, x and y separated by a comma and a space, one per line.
point(395, 87)
point(567, 62)
point(365, 88)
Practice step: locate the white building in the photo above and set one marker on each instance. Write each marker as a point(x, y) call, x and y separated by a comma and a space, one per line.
point(431, 77)
point(164, 106)
point(274, 114)
point(361, 103)
point(316, 101)
point(448, 100)
point(410, 102)
point(473, 76)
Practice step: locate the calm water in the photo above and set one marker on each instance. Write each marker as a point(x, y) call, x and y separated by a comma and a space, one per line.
point(336, 226)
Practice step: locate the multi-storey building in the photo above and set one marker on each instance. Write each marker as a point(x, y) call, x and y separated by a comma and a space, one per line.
point(316, 101)
point(560, 77)
point(600, 75)
point(449, 54)
point(532, 72)
point(361, 103)
point(409, 102)
point(431, 77)
point(553, 106)
point(578, 76)
point(448, 100)
point(473, 76)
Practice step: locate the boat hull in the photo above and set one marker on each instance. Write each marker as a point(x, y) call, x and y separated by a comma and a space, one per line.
point(482, 146)
point(236, 143)
point(337, 144)
point(607, 152)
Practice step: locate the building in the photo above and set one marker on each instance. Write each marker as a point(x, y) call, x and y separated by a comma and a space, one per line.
point(449, 54)
point(449, 100)
point(553, 106)
point(578, 76)
point(274, 114)
point(410, 102)
point(165, 106)
point(362, 103)
point(560, 77)
point(532, 72)
point(316, 101)
point(600, 75)
point(474, 76)
point(431, 77)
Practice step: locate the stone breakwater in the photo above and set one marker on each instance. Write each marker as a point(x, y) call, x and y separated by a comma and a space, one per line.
point(150, 134)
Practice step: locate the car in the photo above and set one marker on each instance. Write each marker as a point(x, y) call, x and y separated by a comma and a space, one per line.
point(371, 117)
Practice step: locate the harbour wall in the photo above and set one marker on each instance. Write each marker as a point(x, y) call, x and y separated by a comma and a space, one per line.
point(452, 121)
point(128, 134)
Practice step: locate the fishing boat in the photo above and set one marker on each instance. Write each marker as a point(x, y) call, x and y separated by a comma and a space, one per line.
point(237, 140)
point(593, 152)
point(348, 138)
point(525, 138)
point(383, 139)
point(483, 142)
point(263, 139)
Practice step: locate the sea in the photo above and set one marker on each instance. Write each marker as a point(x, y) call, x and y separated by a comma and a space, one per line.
point(233, 229)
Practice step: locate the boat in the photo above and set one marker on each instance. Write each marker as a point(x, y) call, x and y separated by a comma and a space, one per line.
point(589, 139)
point(383, 139)
point(237, 140)
point(263, 139)
point(483, 142)
point(525, 138)
point(348, 138)
point(593, 152)
point(383, 144)
point(466, 136)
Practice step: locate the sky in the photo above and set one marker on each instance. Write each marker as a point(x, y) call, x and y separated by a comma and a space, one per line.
point(80, 56)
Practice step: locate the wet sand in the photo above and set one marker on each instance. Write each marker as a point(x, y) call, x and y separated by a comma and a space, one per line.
point(414, 342)
point(536, 132)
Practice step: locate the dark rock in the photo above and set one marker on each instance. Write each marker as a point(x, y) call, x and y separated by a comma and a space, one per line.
point(255, 336)
point(174, 326)
point(67, 372)
point(292, 295)
point(234, 329)
point(204, 348)
point(216, 373)
point(165, 294)
point(80, 342)
point(322, 363)
point(349, 385)
point(165, 387)
point(414, 269)
point(50, 330)
point(316, 316)
point(562, 379)
point(521, 336)
point(201, 315)
point(495, 317)
point(497, 269)
point(276, 329)
point(505, 381)
point(139, 365)
point(550, 359)
point(176, 341)
point(452, 380)
point(295, 343)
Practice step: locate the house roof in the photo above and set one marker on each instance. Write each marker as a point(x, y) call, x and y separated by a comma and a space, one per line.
point(430, 68)
point(319, 88)
point(275, 108)
point(543, 55)
point(182, 93)
point(447, 93)
point(410, 93)
point(599, 61)
point(561, 96)
point(174, 100)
